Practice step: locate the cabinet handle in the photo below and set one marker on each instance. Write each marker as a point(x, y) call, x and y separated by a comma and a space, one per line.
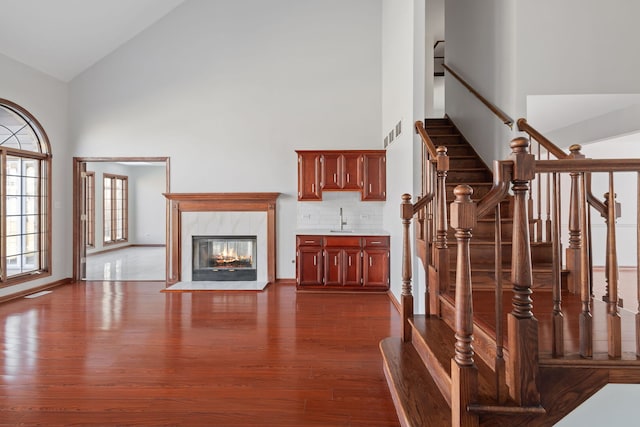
point(375, 243)
point(313, 188)
point(370, 262)
point(349, 260)
point(309, 241)
point(335, 260)
point(315, 260)
point(335, 178)
point(348, 177)
point(370, 191)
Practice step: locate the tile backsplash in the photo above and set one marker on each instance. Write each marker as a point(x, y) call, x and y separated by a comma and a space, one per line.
point(358, 215)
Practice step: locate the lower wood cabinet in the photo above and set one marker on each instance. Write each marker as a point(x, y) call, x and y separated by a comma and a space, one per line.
point(342, 262)
point(309, 261)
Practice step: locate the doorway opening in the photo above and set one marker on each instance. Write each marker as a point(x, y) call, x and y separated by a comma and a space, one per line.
point(120, 218)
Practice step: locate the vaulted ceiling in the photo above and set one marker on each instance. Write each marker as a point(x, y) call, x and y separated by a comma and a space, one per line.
point(63, 38)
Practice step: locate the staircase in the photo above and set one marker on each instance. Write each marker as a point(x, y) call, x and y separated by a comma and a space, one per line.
point(434, 377)
point(466, 167)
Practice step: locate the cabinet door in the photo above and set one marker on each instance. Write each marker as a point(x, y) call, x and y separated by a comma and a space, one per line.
point(333, 266)
point(375, 177)
point(352, 267)
point(309, 176)
point(351, 173)
point(331, 171)
point(309, 266)
point(376, 268)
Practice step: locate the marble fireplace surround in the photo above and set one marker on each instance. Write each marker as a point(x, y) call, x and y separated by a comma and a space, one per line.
point(223, 204)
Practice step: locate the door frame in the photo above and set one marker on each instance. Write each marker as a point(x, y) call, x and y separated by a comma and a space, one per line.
point(79, 164)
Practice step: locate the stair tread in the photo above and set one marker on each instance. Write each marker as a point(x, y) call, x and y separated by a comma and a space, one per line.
point(417, 398)
point(441, 340)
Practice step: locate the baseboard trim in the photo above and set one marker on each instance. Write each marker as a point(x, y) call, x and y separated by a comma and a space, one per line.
point(395, 301)
point(41, 288)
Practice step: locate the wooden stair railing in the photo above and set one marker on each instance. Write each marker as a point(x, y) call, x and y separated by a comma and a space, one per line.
point(495, 110)
point(516, 365)
point(432, 207)
point(522, 371)
point(542, 193)
point(579, 169)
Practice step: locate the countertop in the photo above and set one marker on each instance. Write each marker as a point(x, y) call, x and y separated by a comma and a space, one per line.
point(328, 232)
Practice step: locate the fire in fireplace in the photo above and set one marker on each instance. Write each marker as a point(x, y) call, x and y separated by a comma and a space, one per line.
point(224, 258)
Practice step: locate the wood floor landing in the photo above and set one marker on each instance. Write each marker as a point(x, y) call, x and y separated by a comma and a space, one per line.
point(125, 353)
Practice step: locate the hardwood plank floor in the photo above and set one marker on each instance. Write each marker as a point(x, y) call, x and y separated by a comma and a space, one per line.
point(125, 353)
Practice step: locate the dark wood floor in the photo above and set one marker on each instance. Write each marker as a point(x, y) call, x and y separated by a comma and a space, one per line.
point(128, 354)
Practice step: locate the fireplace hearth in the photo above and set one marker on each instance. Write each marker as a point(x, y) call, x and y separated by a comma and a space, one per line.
point(224, 258)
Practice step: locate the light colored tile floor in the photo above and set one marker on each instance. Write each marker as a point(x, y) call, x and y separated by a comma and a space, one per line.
point(134, 263)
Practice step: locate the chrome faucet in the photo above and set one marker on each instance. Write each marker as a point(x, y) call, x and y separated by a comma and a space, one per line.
point(342, 221)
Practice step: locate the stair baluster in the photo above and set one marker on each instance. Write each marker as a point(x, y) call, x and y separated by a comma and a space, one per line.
point(614, 325)
point(557, 346)
point(464, 374)
point(638, 265)
point(441, 247)
point(586, 317)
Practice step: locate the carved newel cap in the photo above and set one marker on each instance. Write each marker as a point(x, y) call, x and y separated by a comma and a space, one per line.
point(463, 209)
point(406, 208)
point(442, 160)
point(519, 144)
point(523, 162)
point(575, 151)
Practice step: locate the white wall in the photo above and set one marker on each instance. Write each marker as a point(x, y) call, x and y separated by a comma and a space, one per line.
point(47, 100)
point(147, 205)
point(229, 89)
point(583, 47)
point(434, 31)
point(480, 47)
point(509, 51)
point(403, 88)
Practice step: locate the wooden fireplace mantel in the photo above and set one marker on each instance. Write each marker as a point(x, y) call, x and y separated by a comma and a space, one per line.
point(219, 202)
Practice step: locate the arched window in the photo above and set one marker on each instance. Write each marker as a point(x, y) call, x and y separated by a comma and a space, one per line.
point(25, 188)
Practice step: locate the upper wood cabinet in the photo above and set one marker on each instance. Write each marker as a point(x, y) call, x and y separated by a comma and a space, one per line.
point(309, 170)
point(341, 171)
point(350, 170)
point(375, 176)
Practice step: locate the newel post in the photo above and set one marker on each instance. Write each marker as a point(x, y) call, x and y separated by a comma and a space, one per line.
point(406, 297)
point(464, 374)
point(522, 325)
point(441, 247)
point(574, 251)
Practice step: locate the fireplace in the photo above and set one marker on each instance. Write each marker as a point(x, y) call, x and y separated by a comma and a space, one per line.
point(224, 258)
point(224, 214)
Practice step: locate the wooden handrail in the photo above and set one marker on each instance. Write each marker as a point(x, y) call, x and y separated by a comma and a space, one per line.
point(588, 165)
point(502, 173)
point(495, 110)
point(523, 126)
point(428, 143)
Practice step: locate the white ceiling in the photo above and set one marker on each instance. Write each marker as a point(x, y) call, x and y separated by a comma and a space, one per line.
point(63, 38)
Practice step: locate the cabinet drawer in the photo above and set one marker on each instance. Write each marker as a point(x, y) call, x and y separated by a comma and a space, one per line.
point(376, 241)
point(342, 241)
point(309, 240)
